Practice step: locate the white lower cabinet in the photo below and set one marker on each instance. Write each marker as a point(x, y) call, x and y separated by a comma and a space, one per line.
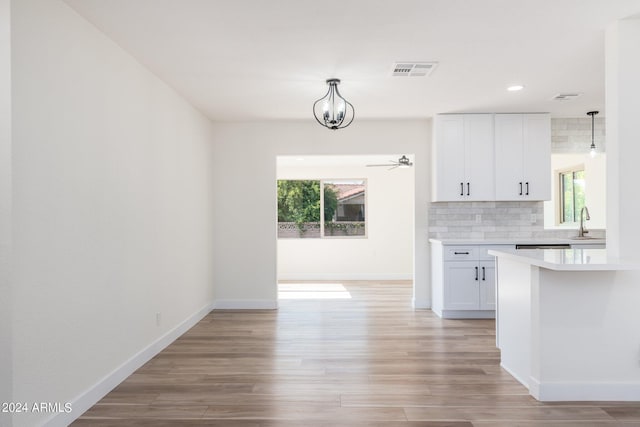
point(463, 281)
point(461, 290)
point(488, 285)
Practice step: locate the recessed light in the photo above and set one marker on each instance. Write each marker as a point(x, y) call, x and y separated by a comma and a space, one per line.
point(515, 88)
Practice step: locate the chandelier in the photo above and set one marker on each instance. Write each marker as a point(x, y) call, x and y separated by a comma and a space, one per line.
point(332, 110)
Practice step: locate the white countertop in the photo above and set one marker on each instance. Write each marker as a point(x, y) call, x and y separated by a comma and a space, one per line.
point(567, 259)
point(523, 241)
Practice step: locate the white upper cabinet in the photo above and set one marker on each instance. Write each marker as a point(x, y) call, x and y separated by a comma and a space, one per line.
point(523, 156)
point(463, 159)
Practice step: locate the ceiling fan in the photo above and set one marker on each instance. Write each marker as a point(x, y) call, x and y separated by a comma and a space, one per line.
point(402, 162)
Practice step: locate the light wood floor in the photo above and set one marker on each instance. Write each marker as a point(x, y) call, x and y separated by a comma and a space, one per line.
point(367, 360)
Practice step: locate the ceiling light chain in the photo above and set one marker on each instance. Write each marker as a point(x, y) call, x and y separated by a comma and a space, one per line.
point(332, 110)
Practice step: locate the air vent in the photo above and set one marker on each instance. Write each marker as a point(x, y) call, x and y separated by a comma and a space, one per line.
point(566, 96)
point(413, 69)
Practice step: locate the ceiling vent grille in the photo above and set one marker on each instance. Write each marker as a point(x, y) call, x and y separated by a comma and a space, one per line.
point(566, 96)
point(413, 69)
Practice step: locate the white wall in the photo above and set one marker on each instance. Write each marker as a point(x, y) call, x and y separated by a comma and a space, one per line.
point(595, 189)
point(112, 208)
point(245, 227)
point(387, 251)
point(6, 383)
point(622, 68)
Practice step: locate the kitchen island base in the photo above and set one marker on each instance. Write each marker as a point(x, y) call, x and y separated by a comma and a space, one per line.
point(569, 334)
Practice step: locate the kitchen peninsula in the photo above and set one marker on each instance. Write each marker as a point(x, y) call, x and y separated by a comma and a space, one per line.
point(463, 272)
point(567, 323)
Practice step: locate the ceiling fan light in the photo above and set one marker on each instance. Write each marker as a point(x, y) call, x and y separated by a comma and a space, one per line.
point(332, 110)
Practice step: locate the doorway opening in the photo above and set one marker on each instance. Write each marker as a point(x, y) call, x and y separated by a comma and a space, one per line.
point(340, 220)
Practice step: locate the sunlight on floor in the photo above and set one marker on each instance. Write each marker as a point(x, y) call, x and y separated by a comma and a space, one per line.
point(312, 291)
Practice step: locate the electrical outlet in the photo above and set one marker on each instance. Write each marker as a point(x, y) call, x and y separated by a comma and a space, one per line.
point(534, 218)
point(158, 319)
point(478, 219)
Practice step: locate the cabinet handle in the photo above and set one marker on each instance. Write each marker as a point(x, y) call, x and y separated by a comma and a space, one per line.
point(483, 274)
point(527, 193)
point(520, 189)
point(476, 273)
point(462, 189)
point(461, 253)
point(468, 188)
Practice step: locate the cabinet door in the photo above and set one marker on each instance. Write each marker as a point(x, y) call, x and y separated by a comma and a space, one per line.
point(487, 285)
point(509, 156)
point(461, 280)
point(448, 158)
point(537, 156)
point(479, 183)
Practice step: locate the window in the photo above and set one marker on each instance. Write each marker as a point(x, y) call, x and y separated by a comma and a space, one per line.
point(321, 208)
point(344, 208)
point(571, 195)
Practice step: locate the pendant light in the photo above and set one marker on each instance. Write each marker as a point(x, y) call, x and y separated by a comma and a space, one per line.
point(592, 149)
point(332, 110)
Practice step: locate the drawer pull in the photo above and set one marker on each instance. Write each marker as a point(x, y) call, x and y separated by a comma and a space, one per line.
point(461, 253)
point(483, 274)
point(476, 273)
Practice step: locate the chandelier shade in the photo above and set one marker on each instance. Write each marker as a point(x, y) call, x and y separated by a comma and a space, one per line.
point(332, 110)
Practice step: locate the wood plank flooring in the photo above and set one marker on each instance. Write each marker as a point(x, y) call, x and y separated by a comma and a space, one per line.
point(356, 355)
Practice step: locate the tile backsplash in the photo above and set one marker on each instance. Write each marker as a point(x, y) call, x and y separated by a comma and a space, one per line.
point(507, 220)
point(498, 220)
point(573, 135)
point(480, 220)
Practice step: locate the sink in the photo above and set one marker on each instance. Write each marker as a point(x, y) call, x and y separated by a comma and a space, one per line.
point(582, 238)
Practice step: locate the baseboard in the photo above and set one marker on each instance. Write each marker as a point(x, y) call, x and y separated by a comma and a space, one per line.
point(245, 304)
point(91, 396)
point(468, 314)
point(517, 377)
point(341, 276)
point(584, 391)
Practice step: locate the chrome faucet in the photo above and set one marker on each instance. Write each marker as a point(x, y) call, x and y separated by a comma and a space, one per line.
point(582, 231)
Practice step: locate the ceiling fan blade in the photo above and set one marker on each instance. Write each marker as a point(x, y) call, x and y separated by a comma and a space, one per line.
point(392, 164)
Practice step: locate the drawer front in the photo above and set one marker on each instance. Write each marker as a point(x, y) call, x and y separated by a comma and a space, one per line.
point(484, 256)
point(461, 253)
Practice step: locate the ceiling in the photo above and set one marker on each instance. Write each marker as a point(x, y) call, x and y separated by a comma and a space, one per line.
point(260, 60)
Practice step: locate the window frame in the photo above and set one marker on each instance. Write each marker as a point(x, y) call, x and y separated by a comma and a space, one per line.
point(322, 218)
point(560, 211)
